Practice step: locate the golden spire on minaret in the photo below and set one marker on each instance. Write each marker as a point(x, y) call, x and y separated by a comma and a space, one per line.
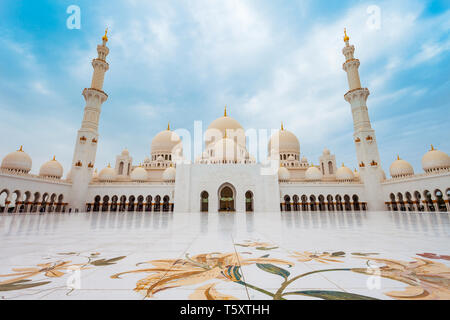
point(346, 37)
point(105, 37)
point(225, 112)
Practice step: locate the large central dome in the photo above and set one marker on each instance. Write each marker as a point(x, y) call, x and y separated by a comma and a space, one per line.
point(225, 127)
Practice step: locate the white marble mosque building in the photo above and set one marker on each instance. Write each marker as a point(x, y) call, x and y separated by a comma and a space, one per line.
point(225, 177)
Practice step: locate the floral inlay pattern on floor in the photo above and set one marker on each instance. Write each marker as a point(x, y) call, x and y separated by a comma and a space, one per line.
point(426, 278)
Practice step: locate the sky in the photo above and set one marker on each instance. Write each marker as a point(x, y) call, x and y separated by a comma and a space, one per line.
point(183, 61)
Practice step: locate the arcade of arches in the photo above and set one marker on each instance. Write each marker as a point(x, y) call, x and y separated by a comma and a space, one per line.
point(322, 203)
point(426, 201)
point(31, 202)
point(130, 204)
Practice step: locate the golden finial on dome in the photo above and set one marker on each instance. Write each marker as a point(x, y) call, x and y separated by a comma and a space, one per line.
point(54, 158)
point(109, 165)
point(346, 37)
point(282, 126)
point(343, 165)
point(432, 148)
point(168, 126)
point(225, 112)
point(105, 37)
point(20, 149)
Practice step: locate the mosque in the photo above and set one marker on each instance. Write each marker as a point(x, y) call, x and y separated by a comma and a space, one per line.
point(225, 177)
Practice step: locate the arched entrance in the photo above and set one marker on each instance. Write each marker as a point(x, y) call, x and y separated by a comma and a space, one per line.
point(204, 202)
point(249, 201)
point(226, 199)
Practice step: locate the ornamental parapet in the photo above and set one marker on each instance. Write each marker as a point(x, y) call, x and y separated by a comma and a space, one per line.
point(356, 93)
point(13, 173)
point(96, 93)
point(350, 63)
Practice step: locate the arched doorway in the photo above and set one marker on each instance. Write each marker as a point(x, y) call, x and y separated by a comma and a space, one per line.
point(249, 201)
point(226, 199)
point(204, 202)
point(296, 200)
point(166, 204)
point(429, 201)
point(140, 205)
point(440, 201)
point(287, 203)
point(157, 207)
point(97, 204)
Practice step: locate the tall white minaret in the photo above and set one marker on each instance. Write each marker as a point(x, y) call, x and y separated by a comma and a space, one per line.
point(87, 139)
point(364, 136)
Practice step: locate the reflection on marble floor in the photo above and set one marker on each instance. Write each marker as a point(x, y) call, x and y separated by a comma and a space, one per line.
point(360, 255)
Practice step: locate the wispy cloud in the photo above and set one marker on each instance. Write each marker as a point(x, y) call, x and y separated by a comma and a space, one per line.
point(270, 62)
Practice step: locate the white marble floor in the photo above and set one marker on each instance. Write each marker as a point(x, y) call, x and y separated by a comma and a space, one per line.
point(294, 255)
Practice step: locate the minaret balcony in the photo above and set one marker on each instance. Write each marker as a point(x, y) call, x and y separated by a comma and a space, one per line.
point(357, 93)
point(90, 93)
point(100, 63)
point(350, 64)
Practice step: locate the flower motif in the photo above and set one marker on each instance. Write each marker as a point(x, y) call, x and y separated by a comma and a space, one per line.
point(249, 243)
point(51, 270)
point(324, 257)
point(433, 256)
point(427, 280)
point(166, 274)
point(209, 292)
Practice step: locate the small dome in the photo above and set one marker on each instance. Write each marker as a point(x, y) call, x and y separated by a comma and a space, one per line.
point(313, 174)
point(125, 152)
point(166, 142)
point(139, 174)
point(356, 174)
point(94, 174)
point(401, 168)
point(326, 152)
point(169, 174)
point(17, 161)
point(283, 174)
point(51, 169)
point(435, 160)
point(344, 174)
point(107, 174)
point(284, 141)
point(304, 160)
point(225, 149)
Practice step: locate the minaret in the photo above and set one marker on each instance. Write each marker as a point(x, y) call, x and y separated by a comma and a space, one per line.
point(364, 135)
point(87, 138)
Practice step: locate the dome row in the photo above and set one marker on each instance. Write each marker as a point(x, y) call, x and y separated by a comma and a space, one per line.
point(433, 160)
point(313, 173)
point(139, 174)
point(20, 161)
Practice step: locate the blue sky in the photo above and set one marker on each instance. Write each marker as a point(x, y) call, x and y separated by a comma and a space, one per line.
point(269, 61)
